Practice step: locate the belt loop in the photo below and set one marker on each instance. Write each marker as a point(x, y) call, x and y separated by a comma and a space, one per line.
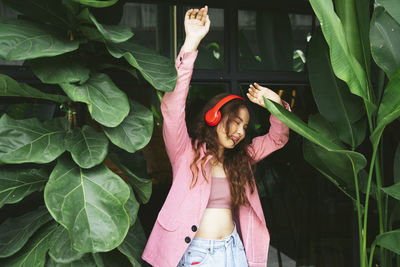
point(234, 239)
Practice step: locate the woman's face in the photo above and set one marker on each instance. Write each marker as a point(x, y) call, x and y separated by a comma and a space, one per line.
point(237, 129)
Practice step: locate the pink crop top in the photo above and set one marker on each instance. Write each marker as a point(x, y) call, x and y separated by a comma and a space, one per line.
point(220, 196)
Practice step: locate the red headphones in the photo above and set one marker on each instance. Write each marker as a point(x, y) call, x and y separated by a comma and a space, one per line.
point(213, 116)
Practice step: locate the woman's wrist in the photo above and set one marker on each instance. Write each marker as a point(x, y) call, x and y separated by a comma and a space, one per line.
point(190, 44)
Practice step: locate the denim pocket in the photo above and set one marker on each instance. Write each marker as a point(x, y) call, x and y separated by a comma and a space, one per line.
point(196, 256)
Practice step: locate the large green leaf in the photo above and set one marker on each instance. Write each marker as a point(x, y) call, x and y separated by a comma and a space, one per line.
point(15, 184)
point(296, 124)
point(135, 131)
point(85, 261)
point(132, 207)
point(60, 69)
point(337, 167)
point(88, 147)
point(20, 39)
point(389, 240)
point(10, 87)
point(61, 250)
point(30, 140)
point(385, 40)
point(393, 191)
point(90, 204)
point(143, 187)
point(112, 33)
point(106, 103)
point(355, 15)
point(134, 244)
point(15, 232)
point(332, 96)
point(34, 252)
point(97, 3)
point(392, 7)
point(389, 109)
point(47, 11)
point(344, 65)
point(159, 71)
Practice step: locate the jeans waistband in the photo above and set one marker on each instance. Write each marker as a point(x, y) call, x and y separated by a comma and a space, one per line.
point(216, 243)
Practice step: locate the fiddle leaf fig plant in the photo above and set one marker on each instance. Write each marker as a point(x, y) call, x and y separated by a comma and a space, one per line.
point(87, 214)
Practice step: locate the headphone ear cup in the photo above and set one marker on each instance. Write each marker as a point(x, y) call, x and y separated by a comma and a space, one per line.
point(213, 117)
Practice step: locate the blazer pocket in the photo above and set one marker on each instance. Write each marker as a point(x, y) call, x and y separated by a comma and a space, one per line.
point(167, 220)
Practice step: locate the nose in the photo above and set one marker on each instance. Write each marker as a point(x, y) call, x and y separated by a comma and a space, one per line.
point(241, 130)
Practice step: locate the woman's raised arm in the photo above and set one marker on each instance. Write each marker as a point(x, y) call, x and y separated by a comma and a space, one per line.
point(173, 104)
point(278, 134)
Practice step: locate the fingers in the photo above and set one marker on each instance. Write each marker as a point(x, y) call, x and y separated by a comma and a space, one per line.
point(257, 86)
point(252, 98)
point(196, 14)
point(202, 14)
point(188, 13)
point(253, 91)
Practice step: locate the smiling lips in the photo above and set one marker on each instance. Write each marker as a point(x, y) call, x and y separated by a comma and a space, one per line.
point(235, 139)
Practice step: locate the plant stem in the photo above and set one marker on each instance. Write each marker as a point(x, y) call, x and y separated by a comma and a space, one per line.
point(364, 247)
point(360, 240)
point(381, 214)
point(371, 255)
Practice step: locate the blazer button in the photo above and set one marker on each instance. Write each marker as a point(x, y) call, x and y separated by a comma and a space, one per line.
point(194, 228)
point(187, 239)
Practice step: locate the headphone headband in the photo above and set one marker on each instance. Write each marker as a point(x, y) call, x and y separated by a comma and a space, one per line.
point(213, 116)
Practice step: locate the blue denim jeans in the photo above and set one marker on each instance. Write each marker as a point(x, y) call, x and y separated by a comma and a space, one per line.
point(226, 252)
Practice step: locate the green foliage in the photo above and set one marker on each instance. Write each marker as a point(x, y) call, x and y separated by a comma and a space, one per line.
point(23, 39)
point(10, 87)
point(106, 103)
point(30, 140)
point(34, 252)
point(61, 250)
point(332, 96)
point(17, 184)
point(90, 217)
point(340, 77)
point(385, 38)
point(155, 69)
point(88, 147)
point(15, 232)
point(134, 132)
point(75, 198)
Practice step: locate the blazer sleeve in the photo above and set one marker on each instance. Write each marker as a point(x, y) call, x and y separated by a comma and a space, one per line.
point(173, 105)
point(276, 138)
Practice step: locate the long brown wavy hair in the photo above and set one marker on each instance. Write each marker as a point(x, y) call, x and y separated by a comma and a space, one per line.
point(237, 162)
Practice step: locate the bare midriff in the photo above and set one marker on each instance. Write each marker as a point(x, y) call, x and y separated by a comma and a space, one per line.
point(216, 223)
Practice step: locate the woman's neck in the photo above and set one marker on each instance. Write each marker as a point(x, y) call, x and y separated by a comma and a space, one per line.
point(221, 152)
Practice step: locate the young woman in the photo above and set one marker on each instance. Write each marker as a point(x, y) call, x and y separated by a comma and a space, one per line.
point(212, 215)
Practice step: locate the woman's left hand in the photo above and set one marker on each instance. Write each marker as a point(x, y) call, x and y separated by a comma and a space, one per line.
point(257, 92)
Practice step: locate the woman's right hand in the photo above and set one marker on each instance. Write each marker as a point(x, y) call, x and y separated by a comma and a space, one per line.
point(197, 25)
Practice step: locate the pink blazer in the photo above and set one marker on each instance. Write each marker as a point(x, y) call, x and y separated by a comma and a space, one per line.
point(180, 216)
